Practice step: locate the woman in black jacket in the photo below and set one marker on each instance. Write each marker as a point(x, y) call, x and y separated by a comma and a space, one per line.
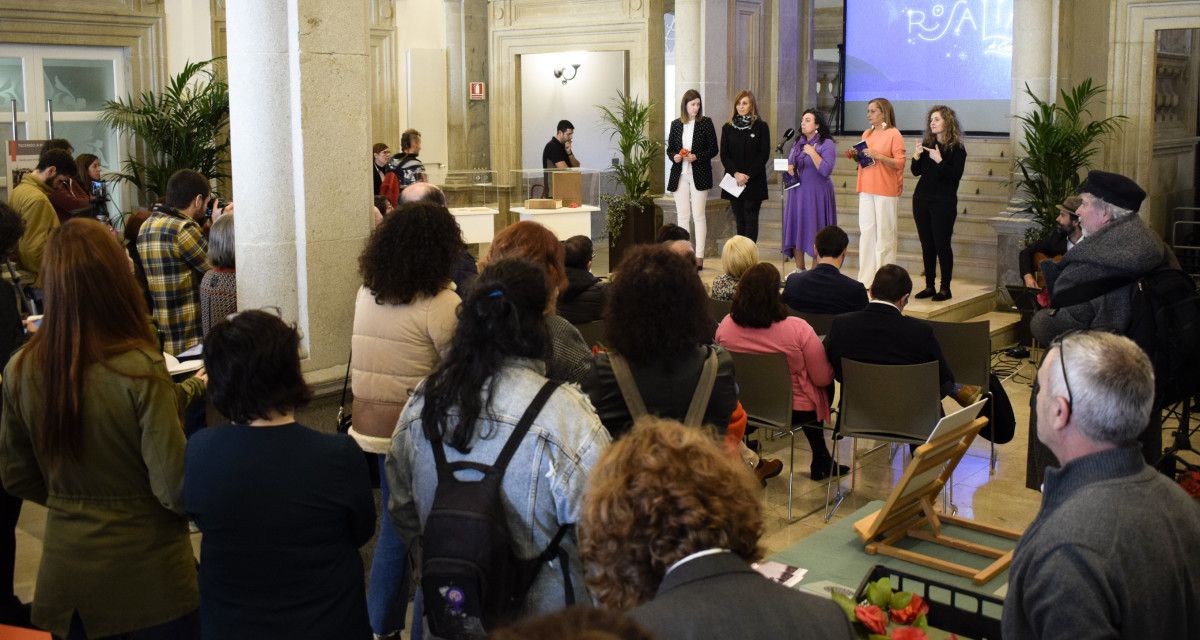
point(745, 149)
point(938, 159)
point(691, 146)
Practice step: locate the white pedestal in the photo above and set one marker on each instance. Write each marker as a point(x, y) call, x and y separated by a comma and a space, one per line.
point(477, 223)
point(564, 222)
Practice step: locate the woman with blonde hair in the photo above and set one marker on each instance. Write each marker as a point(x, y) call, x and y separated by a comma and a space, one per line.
point(745, 149)
point(740, 253)
point(91, 429)
point(938, 159)
point(691, 145)
point(879, 185)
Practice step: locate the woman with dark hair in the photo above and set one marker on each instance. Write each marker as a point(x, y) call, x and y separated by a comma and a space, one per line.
point(404, 318)
point(470, 405)
point(657, 325)
point(939, 160)
point(381, 157)
point(879, 185)
point(91, 430)
point(568, 356)
point(283, 508)
point(759, 323)
point(12, 335)
point(670, 525)
point(811, 206)
point(691, 145)
point(745, 149)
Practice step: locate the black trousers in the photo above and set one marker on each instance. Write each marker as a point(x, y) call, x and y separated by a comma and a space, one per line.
point(935, 225)
point(745, 217)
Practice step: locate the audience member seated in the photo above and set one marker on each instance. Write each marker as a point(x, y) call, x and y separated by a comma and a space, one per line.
point(218, 287)
point(658, 324)
point(31, 199)
point(404, 317)
point(1113, 550)
point(465, 269)
point(740, 253)
point(282, 508)
point(575, 623)
point(1054, 244)
point(174, 255)
point(469, 406)
point(759, 323)
point(568, 356)
point(93, 433)
point(881, 334)
point(671, 232)
point(583, 299)
point(670, 526)
point(12, 335)
point(824, 288)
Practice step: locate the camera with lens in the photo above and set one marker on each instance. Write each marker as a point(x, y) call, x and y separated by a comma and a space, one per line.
point(208, 206)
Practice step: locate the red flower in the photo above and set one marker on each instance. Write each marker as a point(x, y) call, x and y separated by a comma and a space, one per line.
point(852, 153)
point(872, 617)
point(915, 609)
point(907, 633)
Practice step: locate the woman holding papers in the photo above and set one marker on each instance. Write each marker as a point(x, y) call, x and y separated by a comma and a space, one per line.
point(691, 144)
point(880, 158)
point(745, 149)
point(91, 430)
point(810, 206)
point(938, 159)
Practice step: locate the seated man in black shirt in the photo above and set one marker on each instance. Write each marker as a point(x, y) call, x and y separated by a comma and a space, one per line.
point(1055, 243)
point(824, 288)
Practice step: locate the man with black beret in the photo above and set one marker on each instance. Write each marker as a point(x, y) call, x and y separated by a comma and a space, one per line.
point(1116, 243)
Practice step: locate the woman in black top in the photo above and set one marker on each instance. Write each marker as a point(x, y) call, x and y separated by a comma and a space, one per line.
point(938, 159)
point(283, 508)
point(745, 149)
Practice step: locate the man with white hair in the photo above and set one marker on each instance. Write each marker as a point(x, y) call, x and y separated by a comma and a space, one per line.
point(1115, 549)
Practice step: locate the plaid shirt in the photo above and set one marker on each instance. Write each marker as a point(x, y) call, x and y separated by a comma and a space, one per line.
point(174, 255)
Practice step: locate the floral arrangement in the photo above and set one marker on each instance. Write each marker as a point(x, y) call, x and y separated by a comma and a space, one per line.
point(885, 614)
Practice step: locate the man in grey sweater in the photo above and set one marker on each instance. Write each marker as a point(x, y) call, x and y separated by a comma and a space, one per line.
point(1115, 550)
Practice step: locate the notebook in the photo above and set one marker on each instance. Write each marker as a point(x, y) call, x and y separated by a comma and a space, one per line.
point(956, 419)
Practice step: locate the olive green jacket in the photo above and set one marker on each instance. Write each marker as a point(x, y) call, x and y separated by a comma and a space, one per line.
point(116, 545)
point(31, 199)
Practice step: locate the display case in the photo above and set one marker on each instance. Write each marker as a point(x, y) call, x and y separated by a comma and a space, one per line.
point(566, 201)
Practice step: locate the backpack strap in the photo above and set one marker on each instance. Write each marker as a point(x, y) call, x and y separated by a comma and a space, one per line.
point(446, 470)
point(555, 550)
point(627, 385)
point(704, 388)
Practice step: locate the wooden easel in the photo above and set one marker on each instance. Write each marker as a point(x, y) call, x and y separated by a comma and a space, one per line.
point(909, 511)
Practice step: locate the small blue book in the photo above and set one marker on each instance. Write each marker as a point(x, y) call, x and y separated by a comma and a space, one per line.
point(863, 161)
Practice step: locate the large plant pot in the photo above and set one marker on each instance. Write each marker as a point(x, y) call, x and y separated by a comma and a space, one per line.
point(639, 228)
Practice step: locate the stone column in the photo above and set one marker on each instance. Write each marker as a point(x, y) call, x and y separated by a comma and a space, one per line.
point(1034, 57)
point(688, 50)
point(298, 75)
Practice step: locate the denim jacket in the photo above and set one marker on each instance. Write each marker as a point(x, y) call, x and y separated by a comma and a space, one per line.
point(543, 486)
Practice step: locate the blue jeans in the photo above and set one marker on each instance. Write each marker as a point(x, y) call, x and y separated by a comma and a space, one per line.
point(387, 588)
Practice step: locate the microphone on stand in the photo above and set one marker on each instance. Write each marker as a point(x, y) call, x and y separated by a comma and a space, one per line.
point(787, 135)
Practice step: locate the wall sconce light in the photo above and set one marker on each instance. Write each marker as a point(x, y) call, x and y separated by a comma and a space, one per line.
point(561, 73)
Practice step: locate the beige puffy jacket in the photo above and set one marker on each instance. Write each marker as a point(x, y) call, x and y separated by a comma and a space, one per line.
point(394, 348)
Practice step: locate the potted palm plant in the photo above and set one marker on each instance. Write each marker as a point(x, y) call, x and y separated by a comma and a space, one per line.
point(1060, 141)
point(630, 215)
point(183, 126)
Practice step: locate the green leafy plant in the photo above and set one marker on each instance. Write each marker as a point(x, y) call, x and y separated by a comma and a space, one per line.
point(628, 122)
point(1060, 142)
point(184, 126)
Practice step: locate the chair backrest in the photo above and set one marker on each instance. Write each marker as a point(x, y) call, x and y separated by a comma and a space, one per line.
point(820, 322)
point(898, 402)
point(591, 332)
point(764, 387)
point(718, 309)
point(967, 347)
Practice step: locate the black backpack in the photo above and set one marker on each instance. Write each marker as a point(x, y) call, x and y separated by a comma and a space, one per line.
point(1164, 322)
point(471, 579)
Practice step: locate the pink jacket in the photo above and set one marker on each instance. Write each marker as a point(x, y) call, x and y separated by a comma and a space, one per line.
point(796, 339)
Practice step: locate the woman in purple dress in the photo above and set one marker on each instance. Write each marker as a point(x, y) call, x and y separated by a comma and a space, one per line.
point(810, 207)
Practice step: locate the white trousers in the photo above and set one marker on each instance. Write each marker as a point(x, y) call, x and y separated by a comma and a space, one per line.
point(689, 206)
point(877, 234)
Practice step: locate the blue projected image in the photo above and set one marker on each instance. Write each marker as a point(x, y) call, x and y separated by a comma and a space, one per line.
point(929, 50)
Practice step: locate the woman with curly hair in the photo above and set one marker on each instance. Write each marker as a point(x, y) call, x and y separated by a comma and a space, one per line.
point(568, 356)
point(657, 325)
point(470, 406)
point(670, 525)
point(938, 159)
point(759, 323)
point(404, 317)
